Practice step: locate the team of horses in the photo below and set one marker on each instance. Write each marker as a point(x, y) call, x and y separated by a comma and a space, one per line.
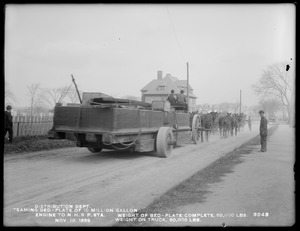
point(226, 123)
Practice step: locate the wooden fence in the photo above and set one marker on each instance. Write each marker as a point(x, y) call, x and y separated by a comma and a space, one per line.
point(36, 125)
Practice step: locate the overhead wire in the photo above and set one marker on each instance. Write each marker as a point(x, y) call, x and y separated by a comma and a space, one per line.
point(176, 37)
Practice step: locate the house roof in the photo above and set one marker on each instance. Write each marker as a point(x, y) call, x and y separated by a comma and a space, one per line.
point(169, 82)
point(182, 84)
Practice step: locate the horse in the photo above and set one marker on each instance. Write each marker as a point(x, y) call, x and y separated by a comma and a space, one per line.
point(215, 123)
point(206, 123)
point(225, 125)
point(234, 123)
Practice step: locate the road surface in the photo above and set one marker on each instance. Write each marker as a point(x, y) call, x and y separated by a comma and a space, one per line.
point(257, 189)
point(72, 186)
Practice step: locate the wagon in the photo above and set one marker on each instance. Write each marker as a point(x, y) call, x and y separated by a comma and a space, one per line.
point(121, 124)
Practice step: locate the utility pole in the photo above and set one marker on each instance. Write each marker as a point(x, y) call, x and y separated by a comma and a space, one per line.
point(188, 92)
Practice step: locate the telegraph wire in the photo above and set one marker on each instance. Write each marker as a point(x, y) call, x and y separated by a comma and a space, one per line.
point(177, 40)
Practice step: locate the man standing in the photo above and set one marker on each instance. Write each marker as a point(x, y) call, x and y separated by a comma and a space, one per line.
point(8, 123)
point(263, 130)
point(249, 123)
point(172, 98)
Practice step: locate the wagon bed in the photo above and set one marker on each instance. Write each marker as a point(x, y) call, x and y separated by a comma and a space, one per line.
point(123, 125)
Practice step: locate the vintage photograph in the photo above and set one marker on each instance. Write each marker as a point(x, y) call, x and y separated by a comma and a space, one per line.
point(149, 115)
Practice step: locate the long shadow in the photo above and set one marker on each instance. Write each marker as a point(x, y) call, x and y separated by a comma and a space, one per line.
point(107, 155)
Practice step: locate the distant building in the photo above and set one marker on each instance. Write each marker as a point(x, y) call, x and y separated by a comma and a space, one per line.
point(160, 88)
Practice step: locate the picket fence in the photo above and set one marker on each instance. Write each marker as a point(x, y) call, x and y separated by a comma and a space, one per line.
point(35, 125)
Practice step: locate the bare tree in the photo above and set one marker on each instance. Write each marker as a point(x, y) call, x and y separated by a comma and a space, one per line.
point(73, 96)
point(277, 82)
point(270, 106)
point(55, 95)
point(36, 96)
point(228, 107)
point(8, 95)
point(253, 110)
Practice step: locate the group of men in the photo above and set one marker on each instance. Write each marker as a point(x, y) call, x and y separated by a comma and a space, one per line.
point(177, 98)
point(263, 129)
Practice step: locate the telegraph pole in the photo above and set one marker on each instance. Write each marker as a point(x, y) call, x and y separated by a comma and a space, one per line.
point(188, 92)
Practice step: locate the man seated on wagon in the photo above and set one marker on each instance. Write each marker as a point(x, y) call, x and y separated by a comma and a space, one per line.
point(172, 98)
point(181, 100)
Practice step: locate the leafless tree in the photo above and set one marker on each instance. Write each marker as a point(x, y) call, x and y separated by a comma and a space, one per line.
point(228, 107)
point(8, 95)
point(36, 96)
point(270, 106)
point(253, 110)
point(277, 82)
point(52, 96)
point(73, 96)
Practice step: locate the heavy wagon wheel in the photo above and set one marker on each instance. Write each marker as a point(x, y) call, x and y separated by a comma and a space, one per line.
point(164, 141)
point(94, 150)
point(195, 130)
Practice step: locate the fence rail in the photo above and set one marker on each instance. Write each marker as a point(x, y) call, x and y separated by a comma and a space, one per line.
point(36, 125)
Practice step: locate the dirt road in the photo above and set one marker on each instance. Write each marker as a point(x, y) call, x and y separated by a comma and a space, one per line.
point(243, 188)
point(72, 186)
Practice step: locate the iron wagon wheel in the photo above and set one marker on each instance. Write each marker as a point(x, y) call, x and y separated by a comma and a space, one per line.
point(94, 150)
point(195, 130)
point(164, 141)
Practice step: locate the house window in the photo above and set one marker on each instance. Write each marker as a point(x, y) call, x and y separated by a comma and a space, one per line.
point(161, 88)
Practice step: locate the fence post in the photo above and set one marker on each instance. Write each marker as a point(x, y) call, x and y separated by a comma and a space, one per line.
point(22, 125)
point(31, 125)
point(43, 124)
point(15, 120)
point(18, 127)
point(47, 124)
point(50, 123)
point(38, 123)
point(27, 125)
point(35, 126)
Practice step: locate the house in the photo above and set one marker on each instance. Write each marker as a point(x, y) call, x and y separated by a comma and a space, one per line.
point(160, 88)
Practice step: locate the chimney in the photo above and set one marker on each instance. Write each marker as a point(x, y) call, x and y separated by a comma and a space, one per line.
point(159, 74)
point(168, 75)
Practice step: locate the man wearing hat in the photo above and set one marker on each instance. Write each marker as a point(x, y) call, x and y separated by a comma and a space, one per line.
point(181, 97)
point(8, 123)
point(172, 98)
point(263, 131)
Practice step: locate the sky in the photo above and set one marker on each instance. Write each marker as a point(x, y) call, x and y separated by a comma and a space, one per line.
point(117, 49)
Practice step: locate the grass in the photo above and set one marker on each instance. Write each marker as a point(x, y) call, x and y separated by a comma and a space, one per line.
point(196, 188)
point(35, 143)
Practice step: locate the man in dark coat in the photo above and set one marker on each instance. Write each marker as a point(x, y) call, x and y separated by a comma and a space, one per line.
point(8, 123)
point(172, 98)
point(263, 131)
point(181, 98)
